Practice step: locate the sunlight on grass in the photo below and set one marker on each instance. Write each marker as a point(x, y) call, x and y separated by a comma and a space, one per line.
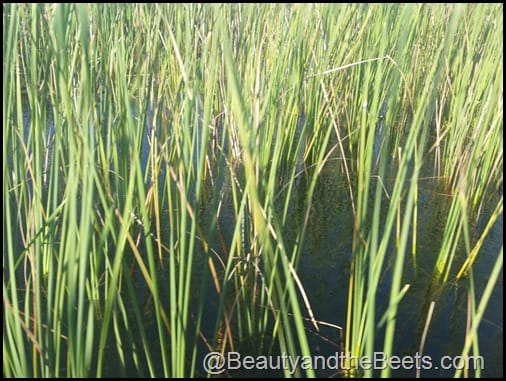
point(153, 155)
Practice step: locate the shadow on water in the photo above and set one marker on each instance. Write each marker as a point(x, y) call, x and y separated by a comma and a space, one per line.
point(325, 265)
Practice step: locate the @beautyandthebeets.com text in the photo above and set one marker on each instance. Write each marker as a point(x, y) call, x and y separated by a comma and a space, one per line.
point(216, 363)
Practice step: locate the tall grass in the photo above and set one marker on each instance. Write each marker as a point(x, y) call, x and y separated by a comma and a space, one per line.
point(125, 127)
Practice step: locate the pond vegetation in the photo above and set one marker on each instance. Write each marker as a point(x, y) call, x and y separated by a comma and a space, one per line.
point(164, 167)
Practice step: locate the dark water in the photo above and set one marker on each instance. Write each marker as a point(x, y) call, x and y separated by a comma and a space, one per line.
point(324, 270)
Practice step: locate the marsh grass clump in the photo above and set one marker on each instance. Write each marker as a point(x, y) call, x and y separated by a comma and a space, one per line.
point(162, 165)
